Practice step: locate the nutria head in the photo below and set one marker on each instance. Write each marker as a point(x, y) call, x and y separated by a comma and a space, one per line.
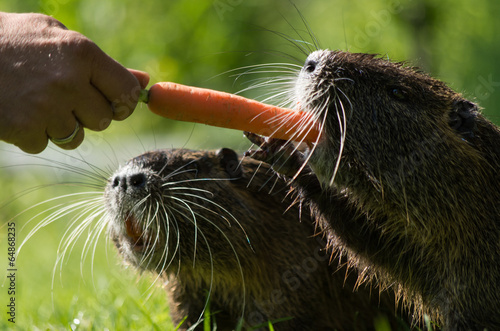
point(222, 228)
point(162, 211)
point(387, 123)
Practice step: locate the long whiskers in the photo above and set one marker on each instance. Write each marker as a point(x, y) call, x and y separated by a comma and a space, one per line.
point(211, 202)
point(185, 204)
point(282, 91)
point(342, 121)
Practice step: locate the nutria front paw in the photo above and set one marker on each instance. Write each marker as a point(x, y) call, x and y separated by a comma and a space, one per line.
point(282, 155)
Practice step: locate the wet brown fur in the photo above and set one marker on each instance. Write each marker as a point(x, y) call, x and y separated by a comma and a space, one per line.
point(285, 267)
point(416, 199)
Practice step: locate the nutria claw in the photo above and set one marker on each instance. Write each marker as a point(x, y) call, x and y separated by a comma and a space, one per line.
point(281, 154)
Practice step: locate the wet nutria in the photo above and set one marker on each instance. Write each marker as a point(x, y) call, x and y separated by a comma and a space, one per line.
point(217, 227)
point(407, 179)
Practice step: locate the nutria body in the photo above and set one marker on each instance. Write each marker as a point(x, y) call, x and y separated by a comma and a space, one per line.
point(217, 227)
point(419, 177)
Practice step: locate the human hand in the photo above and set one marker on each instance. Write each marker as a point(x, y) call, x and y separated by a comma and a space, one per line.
point(52, 78)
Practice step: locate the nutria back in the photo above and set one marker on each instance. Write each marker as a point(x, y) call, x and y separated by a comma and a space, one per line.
point(417, 168)
point(223, 230)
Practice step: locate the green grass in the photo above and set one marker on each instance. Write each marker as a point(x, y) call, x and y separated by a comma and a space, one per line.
point(111, 297)
point(98, 293)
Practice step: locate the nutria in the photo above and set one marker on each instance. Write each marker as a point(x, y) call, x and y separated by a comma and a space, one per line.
point(407, 179)
point(221, 228)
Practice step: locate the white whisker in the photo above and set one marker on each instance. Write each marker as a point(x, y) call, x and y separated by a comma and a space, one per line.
point(201, 216)
point(193, 215)
point(341, 116)
point(173, 183)
point(221, 208)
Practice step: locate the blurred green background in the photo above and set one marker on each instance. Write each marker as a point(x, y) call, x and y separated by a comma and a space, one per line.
point(197, 43)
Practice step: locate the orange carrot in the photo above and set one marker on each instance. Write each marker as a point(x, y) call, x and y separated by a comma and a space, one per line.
point(192, 104)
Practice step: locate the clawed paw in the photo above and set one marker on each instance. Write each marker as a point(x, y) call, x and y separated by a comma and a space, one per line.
point(282, 155)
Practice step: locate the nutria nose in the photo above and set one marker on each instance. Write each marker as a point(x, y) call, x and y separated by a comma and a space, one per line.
point(133, 181)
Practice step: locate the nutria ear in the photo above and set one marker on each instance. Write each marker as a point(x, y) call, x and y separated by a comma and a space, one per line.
point(229, 161)
point(463, 117)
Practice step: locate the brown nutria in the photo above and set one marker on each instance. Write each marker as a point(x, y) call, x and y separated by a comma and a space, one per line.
point(407, 179)
point(217, 228)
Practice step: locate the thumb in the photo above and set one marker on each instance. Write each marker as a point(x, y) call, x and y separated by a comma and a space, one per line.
point(142, 77)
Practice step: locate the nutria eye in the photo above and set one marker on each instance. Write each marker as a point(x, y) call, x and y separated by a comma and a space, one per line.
point(310, 66)
point(138, 180)
point(398, 93)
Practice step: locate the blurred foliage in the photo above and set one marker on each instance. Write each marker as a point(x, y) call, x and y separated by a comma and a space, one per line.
point(199, 43)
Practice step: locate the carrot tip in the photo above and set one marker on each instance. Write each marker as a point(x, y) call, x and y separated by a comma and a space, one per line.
point(144, 96)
